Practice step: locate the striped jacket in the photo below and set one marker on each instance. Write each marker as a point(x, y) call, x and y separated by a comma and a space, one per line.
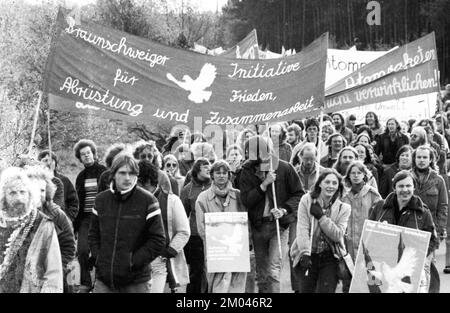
point(125, 235)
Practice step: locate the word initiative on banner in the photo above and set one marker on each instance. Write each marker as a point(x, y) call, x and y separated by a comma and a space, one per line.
point(259, 71)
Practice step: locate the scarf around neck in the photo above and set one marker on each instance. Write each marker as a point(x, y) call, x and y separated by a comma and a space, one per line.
point(225, 192)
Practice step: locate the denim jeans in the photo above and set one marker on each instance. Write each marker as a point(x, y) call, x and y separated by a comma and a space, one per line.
point(322, 276)
point(195, 258)
point(159, 275)
point(267, 255)
point(100, 287)
point(83, 251)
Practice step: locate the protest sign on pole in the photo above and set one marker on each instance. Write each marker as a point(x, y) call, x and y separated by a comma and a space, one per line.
point(110, 73)
point(227, 244)
point(390, 259)
point(404, 72)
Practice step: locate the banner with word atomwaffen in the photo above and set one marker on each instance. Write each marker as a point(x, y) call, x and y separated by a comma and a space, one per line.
point(390, 259)
point(407, 71)
point(99, 70)
point(227, 244)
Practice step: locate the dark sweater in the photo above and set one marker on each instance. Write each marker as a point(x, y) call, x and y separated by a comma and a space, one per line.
point(90, 172)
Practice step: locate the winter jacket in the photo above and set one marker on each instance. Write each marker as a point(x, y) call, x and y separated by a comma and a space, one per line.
point(415, 215)
point(93, 171)
point(288, 188)
point(43, 267)
point(386, 180)
point(360, 204)
point(126, 233)
point(333, 227)
point(64, 230)
point(189, 196)
point(308, 180)
point(434, 194)
point(284, 151)
point(387, 148)
point(70, 197)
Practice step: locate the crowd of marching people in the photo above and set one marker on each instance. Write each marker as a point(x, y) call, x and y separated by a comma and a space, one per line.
point(135, 221)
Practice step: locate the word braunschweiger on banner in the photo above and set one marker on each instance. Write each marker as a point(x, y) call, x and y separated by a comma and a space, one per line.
point(93, 69)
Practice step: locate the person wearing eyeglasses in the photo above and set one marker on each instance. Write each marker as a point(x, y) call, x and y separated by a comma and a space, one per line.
point(172, 169)
point(148, 151)
point(361, 197)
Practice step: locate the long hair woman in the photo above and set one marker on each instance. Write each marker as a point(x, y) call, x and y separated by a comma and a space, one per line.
point(322, 213)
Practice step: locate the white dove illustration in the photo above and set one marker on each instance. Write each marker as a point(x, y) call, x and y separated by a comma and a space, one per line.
point(234, 242)
point(197, 87)
point(398, 278)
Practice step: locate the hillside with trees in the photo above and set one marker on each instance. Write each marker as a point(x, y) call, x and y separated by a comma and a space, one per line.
point(26, 32)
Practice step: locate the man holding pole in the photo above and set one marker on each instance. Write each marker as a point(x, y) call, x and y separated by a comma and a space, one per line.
point(269, 216)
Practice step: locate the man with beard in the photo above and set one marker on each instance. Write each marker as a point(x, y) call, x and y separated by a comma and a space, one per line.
point(339, 125)
point(294, 135)
point(335, 144)
point(29, 250)
point(431, 189)
point(345, 158)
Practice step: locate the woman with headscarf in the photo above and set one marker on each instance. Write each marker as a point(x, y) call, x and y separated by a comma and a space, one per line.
point(220, 197)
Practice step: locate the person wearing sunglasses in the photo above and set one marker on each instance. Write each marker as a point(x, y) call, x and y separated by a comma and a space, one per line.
point(172, 169)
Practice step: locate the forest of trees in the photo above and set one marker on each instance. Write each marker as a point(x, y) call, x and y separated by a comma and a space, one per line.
point(26, 31)
point(296, 23)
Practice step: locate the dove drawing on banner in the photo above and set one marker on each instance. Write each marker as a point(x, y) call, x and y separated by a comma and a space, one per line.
point(197, 86)
point(233, 242)
point(397, 278)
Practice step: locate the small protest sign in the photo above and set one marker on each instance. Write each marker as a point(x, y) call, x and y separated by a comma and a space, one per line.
point(227, 246)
